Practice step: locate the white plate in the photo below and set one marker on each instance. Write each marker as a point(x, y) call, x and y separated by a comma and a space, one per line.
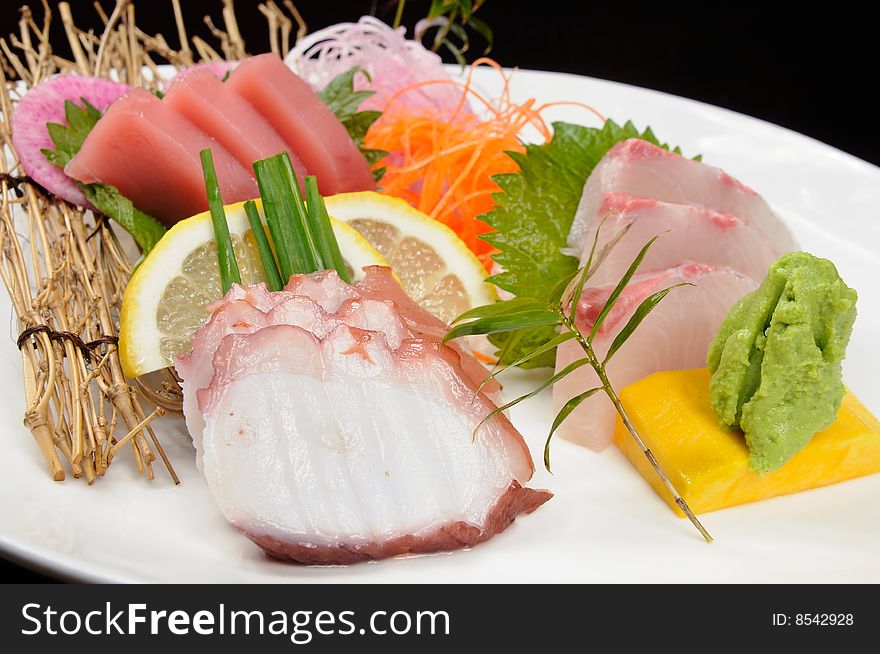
point(604, 524)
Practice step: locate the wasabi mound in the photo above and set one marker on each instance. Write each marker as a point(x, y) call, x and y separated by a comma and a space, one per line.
point(776, 360)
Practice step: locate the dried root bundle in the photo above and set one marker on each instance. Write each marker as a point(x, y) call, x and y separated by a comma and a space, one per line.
point(65, 269)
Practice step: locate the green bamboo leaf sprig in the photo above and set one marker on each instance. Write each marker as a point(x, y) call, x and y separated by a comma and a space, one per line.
point(520, 313)
point(450, 18)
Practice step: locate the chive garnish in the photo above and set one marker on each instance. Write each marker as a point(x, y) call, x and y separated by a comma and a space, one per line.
point(301, 217)
point(270, 268)
point(282, 203)
point(277, 205)
point(229, 273)
point(320, 227)
point(301, 235)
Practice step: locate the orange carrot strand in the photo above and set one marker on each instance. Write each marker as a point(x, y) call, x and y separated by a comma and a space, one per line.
point(443, 162)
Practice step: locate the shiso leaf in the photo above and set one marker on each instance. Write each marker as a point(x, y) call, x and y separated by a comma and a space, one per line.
point(68, 139)
point(536, 207)
point(145, 229)
point(342, 99)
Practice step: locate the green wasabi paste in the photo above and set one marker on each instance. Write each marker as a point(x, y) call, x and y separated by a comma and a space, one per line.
point(776, 360)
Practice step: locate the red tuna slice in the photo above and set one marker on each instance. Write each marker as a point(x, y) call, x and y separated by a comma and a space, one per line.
point(218, 69)
point(644, 170)
point(150, 153)
point(686, 233)
point(304, 122)
point(339, 449)
point(44, 104)
point(222, 114)
point(674, 336)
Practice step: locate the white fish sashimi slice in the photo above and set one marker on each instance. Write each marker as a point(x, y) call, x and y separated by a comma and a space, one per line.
point(686, 232)
point(342, 449)
point(674, 336)
point(644, 170)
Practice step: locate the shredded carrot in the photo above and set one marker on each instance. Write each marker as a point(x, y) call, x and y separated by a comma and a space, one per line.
point(442, 163)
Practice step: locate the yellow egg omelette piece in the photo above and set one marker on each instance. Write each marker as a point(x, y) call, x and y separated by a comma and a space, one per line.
point(709, 465)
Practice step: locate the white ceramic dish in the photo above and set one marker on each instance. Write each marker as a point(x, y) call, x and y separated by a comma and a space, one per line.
point(604, 524)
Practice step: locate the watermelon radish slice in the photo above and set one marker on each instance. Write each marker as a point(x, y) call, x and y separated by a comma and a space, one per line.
point(43, 104)
point(219, 68)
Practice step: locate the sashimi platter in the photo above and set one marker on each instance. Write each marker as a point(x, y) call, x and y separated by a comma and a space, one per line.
point(330, 304)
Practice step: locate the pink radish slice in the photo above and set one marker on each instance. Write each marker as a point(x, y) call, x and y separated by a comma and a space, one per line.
point(43, 104)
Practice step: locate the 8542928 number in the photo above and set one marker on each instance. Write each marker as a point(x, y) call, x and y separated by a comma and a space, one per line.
point(823, 619)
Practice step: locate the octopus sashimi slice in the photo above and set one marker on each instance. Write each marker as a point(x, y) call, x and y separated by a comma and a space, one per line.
point(379, 283)
point(325, 287)
point(239, 316)
point(644, 170)
point(686, 232)
point(318, 302)
point(340, 449)
point(674, 336)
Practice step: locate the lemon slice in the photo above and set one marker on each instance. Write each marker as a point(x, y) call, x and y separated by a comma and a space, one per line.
point(434, 266)
point(164, 302)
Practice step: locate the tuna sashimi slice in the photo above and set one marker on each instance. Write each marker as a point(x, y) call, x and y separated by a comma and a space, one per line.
point(150, 153)
point(219, 69)
point(686, 232)
point(211, 106)
point(43, 104)
point(674, 336)
point(307, 125)
point(644, 170)
point(340, 449)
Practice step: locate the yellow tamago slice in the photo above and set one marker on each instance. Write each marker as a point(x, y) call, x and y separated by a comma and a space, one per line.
point(709, 465)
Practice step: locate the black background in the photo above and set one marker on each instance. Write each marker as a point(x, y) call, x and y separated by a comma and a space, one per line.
point(812, 70)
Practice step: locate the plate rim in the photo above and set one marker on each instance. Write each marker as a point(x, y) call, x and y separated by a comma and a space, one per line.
point(65, 567)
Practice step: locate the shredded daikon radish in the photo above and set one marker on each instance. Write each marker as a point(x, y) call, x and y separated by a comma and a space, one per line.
point(391, 60)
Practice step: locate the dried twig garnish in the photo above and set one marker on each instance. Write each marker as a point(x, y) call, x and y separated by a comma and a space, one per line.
point(64, 268)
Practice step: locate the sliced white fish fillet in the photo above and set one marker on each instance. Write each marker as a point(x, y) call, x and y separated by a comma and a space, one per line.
point(644, 170)
point(686, 233)
point(329, 434)
point(674, 336)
